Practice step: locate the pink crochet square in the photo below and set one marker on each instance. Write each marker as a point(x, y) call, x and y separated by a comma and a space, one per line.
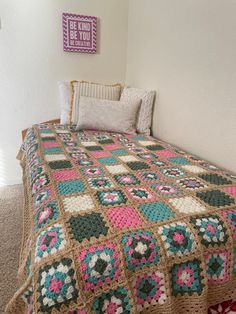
point(124, 217)
point(111, 146)
point(98, 154)
point(165, 153)
point(231, 190)
point(61, 175)
point(49, 144)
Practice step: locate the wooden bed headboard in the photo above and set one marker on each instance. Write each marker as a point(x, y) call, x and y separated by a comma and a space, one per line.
point(23, 132)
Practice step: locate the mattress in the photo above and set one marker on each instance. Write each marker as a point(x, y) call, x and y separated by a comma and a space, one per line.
point(115, 223)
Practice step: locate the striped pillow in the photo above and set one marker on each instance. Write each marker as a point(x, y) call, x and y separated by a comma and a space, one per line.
point(70, 94)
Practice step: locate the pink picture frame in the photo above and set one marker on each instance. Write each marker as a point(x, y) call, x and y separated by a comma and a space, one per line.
point(79, 33)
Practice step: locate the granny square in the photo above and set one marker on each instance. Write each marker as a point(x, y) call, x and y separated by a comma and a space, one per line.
point(108, 161)
point(48, 138)
point(68, 174)
point(147, 143)
point(178, 239)
point(49, 242)
point(99, 265)
point(42, 197)
point(230, 216)
point(154, 147)
point(149, 176)
point(39, 182)
point(230, 190)
point(218, 265)
point(156, 211)
point(78, 203)
point(215, 178)
point(137, 165)
point(52, 150)
point(124, 217)
point(106, 141)
point(55, 157)
point(114, 301)
point(187, 278)
point(100, 183)
point(116, 169)
point(46, 214)
point(87, 226)
point(191, 184)
point(179, 160)
point(140, 194)
point(94, 148)
point(166, 189)
point(147, 156)
point(92, 171)
point(193, 169)
point(49, 144)
point(165, 153)
point(126, 179)
point(56, 286)
point(119, 152)
point(149, 289)
point(172, 172)
point(70, 187)
point(187, 205)
point(159, 163)
point(111, 197)
point(140, 249)
point(60, 164)
point(100, 154)
point(211, 230)
point(128, 158)
point(215, 198)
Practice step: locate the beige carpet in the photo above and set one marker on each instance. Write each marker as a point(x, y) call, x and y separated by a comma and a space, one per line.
point(11, 209)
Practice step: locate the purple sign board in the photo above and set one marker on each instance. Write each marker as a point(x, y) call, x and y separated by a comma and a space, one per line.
point(79, 33)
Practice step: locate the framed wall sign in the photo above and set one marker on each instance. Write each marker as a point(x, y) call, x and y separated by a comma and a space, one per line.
point(79, 33)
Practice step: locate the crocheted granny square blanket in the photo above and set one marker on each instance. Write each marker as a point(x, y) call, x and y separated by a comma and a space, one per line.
point(122, 224)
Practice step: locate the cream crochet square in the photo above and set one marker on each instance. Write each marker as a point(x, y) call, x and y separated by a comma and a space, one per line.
point(116, 169)
point(187, 205)
point(78, 203)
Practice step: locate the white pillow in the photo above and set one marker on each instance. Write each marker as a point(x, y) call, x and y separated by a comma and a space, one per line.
point(108, 115)
point(70, 93)
point(145, 113)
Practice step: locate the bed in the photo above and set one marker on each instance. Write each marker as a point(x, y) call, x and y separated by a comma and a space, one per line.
point(115, 223)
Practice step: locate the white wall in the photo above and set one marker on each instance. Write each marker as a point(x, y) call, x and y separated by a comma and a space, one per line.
point(186, 49)
point(32, 61)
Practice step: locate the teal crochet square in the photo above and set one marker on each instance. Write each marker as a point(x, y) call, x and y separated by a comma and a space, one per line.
point(156, 211)
point(52, 150)
point(70, 187)
point(179, 160)
point(108, 161)
point(119, 152)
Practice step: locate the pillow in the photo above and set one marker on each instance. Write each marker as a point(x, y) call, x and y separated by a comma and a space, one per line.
point(108, 115)
point(145, 113)
point(70, 93)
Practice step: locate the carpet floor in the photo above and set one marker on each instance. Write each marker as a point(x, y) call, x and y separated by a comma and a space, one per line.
point(11, 209)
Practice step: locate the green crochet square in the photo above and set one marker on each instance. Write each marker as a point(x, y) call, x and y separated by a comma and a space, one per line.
point(106, 141)
point(215, 178)
point(94, 148)
point(156, 211)
point(137, 165)
point(215, 198)
point(179, 160)
point(60, 164)
point(154, 147)
point(48, 139)
point(87, 226)
point(70, 187)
